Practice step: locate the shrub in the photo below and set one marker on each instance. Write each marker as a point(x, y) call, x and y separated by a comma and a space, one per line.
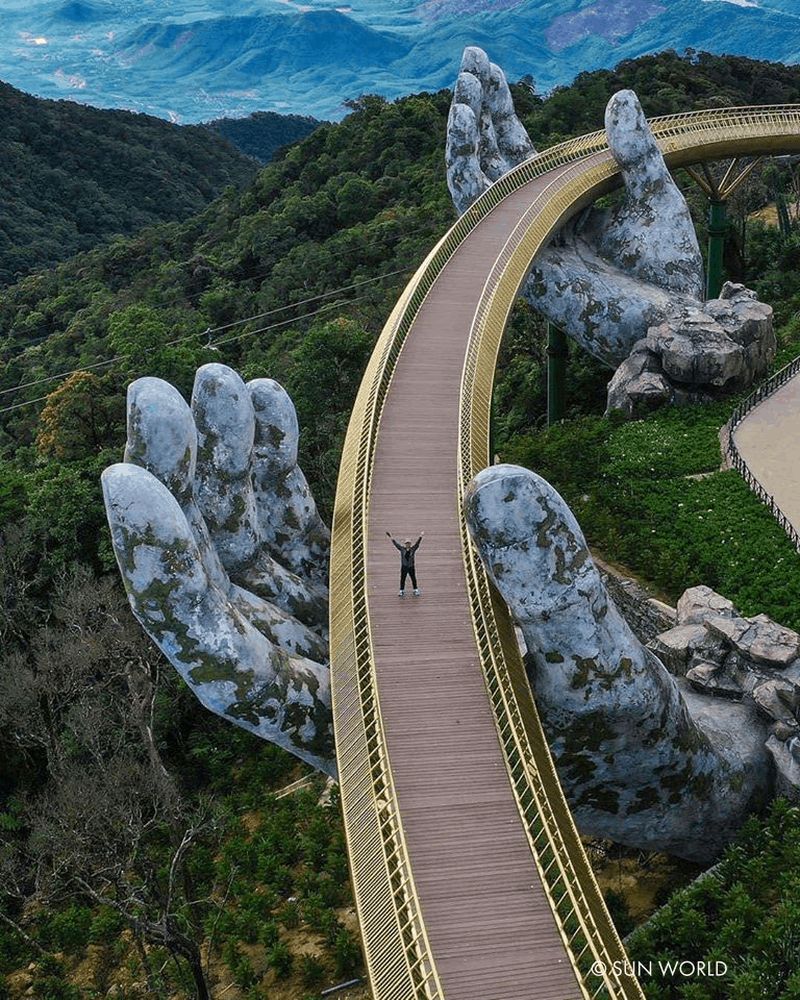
point(281, 960)
point(106, 926)
point(49, 981)
point(312, 970)
point(620, 914)
point(243, 972)
point(70, 929)
point(346, 953)
point(13, 951)
point(290, 916)
point(269, 934)
point(747, 914)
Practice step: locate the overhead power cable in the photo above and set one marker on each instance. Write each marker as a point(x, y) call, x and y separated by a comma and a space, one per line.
point(211, 331)
point(181, 299)
point(247, 333)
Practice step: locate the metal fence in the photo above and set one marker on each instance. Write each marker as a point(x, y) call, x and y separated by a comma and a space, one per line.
point(770, 385)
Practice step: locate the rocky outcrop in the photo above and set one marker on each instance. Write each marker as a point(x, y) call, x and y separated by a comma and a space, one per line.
point(748, 659)
point(752, 661)
point(697, 354)
point(214, 531)
point(644, 759)
point(626, 283)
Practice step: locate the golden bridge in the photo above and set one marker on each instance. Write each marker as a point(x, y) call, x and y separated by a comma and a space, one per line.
point(470, 878)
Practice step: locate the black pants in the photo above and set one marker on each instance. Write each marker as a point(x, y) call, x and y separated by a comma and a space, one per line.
point(407, 571)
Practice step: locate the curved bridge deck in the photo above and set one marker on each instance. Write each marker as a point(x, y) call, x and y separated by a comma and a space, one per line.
point(470, 879)
point(489, 922)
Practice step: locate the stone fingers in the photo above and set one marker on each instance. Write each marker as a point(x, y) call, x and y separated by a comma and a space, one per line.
point(536, 553)
point(637, 767)
point(223, 415)
point(280, 627)
point(268, 579)
point(162, 438)
point(650, 234)
point(465, 177)
point(288, 519)
point(484, 136)
point(513, 141)
point(226, 430)
point(233, 669)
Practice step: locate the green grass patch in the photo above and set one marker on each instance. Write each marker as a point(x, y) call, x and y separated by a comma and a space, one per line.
point(649, 494)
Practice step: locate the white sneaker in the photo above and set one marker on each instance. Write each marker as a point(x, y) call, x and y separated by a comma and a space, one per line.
point(402, 593)
point(416, 592)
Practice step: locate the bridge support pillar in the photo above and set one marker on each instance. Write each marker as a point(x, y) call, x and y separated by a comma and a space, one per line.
point(717, 227)
point(556, 374)
point(718, 191)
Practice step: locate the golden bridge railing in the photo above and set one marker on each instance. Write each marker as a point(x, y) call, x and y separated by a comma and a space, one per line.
point(397, 951)
point(589, 936)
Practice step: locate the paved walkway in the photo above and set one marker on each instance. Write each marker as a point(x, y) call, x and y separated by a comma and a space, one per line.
point(768, 439)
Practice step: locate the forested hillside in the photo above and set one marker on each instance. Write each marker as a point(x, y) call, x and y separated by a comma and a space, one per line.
point(72, 176)
point(291, 278)
point(263, 133)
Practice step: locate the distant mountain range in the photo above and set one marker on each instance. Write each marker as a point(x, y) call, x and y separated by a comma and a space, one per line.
point(193, 60)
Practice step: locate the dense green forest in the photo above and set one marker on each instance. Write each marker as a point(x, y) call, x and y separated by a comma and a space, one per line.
point(292, 278)
point(744, 914)
point(72, 176)
point(263, 133)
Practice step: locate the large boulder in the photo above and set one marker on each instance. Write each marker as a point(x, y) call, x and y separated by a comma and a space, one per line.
point(695, 353)
point(752, 660)
point(697, 604)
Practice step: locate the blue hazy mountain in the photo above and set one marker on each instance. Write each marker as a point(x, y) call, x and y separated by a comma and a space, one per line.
point(191, 60)
point(77, 12)
point(251, 48)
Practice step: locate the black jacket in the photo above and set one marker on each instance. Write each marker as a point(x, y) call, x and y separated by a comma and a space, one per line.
point(407, 555)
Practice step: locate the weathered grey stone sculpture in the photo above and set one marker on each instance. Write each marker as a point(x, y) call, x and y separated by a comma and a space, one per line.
point(622, 281)
point(225, 419)
point(650, 757)
point(223, 554)
point(287, 514)
point(644, 759)
point(753, 661)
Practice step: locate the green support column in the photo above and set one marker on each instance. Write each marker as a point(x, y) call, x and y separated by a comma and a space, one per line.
point(717, 227)
point(556, 374)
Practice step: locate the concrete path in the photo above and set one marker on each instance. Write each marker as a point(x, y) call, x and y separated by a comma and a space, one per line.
point(768, 439)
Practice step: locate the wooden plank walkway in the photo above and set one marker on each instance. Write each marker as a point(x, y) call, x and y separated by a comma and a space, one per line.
point(488, 919)
point(767, 439)
point(489, 930)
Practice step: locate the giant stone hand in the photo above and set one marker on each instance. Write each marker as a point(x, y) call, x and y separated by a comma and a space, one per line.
point(223, 554)
point(625, 283)
point(644, 761)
